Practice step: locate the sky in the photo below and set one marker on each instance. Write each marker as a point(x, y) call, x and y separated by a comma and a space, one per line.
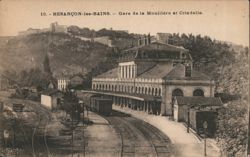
point(221, 20)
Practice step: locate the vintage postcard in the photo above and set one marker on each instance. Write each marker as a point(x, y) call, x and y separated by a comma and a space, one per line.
point(117, 78)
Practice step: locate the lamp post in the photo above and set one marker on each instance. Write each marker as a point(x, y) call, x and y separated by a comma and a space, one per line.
point(81, 105)
point(205, 129)
point(188, 117)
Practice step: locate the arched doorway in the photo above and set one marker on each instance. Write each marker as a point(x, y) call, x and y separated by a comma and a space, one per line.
point(198, 92)
point(176, 92)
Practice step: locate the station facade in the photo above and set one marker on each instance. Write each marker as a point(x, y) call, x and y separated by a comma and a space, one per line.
point(150, 75)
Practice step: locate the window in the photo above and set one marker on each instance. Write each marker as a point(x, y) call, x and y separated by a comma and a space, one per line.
point(198, 92)
point(177, 92)
point(188, 70)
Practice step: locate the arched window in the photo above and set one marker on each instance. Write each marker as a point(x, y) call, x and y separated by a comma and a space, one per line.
point(142, 90)
point(146, 90)
point(139, 90)
point(177, 92)
point(149, 91)
point(159, 91)
point(135, 89)
point(153, 91)
point(156, 91)
point(198, 92)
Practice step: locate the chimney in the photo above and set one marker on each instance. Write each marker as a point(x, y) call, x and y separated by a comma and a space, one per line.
point(142, 41)
point(188, 70)
point(146, 40)
point(139, 41)
point(149, 40)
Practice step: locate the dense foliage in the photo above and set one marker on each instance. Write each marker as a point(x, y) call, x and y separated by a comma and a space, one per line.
point(228, 65)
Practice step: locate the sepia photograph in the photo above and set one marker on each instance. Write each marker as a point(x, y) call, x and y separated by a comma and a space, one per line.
point(115, 78)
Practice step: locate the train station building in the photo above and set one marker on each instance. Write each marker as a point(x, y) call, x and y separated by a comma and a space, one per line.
point(150, 75)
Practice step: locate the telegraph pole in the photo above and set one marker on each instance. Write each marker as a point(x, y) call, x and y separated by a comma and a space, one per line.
point(205, 129)
point(188, 118)
point(72, 128)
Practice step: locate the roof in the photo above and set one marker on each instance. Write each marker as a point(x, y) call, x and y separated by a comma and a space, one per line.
point(50, 92)
point(85, 95)
point(113, 73)
point(159, 46)
point(155, 51)
point(158, 71)
point(77, 75)
point(136, 96)
point(199, 101)
point(178, 73)
point(63, 76)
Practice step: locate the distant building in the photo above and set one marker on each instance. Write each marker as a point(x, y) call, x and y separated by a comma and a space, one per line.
point(4, 83)
point(54, 28)
point(76, 80)
point(51, 99)
point(29, 32)
point(105, 40)
point(63, 83)
point(163, 37)
point(52, 84)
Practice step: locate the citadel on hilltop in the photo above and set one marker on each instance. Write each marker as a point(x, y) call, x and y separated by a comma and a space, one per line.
point(54, 28)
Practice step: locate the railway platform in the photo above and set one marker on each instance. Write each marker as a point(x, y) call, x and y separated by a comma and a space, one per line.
point(186, 144)
point(102, 139)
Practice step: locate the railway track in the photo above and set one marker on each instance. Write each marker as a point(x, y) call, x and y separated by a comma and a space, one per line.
point(39, 139)
point(139, 138)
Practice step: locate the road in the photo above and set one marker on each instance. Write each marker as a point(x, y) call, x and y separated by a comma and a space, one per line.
point(139, 138)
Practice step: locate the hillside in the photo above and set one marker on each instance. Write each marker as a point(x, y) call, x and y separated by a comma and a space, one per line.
point(67, 54)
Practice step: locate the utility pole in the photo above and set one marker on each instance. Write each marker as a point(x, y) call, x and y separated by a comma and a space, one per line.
point(188, 117)
point(72, 128)
point(205, 129)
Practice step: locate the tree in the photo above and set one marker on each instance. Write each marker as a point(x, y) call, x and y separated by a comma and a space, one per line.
point(46, 65)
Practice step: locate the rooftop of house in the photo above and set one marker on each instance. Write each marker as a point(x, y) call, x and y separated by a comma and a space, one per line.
point(199, 101)
point(161, 71)
point(159, 46)
point(50, 92)
point(113, 73)
point(155, 51)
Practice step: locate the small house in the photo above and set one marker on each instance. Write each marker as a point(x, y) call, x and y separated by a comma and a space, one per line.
point(194, 111)
point(51, 99)
point(76, 80)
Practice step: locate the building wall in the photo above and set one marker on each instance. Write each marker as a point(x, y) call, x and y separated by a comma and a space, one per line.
point(138, 86)
point(4, 83)
point(187, 92)
point(62, 84)
point(154, 87)
point(163, 37)
point(54, 102)
point(76, 80)
point(103, 40)
point(46, 100)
